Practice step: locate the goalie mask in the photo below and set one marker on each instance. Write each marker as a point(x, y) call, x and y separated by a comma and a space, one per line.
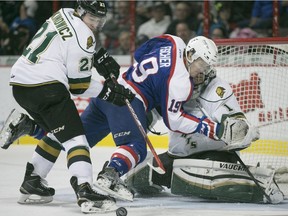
point(201, 81)
point(93, 13)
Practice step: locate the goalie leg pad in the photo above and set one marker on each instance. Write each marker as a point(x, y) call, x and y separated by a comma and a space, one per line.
point(222, 181)
point(139, 179)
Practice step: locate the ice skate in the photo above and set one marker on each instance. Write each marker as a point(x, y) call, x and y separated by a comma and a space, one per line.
point(34, 189)
point(109, 181)
point(16, 125)
point(89, 200)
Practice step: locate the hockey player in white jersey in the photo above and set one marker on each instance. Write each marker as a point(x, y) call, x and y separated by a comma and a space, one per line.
point(199, 166)
point(55, 64)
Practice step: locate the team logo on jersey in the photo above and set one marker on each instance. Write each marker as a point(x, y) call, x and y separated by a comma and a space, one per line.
point(90, 42)
point(220, 91)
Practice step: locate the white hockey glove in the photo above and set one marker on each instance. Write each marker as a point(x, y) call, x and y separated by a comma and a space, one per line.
point(237, 133)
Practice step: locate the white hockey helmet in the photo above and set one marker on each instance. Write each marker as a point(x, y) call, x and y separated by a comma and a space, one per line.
point(201, 47)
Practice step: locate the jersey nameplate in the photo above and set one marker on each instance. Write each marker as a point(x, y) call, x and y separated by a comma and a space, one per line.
point(165, 56)
point(61, 26)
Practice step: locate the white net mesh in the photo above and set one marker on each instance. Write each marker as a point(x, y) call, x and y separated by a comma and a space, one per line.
point(257, 72)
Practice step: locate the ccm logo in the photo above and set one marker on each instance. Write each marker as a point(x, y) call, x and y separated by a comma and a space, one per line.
point(102, 58)
point(124, 133)
point(58, 129)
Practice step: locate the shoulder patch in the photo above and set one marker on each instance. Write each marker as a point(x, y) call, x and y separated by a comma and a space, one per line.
point(220, 91)
point(90, 42)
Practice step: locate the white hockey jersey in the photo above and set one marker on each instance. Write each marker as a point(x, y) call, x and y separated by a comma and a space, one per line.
point(61, 51)
point(216, 100)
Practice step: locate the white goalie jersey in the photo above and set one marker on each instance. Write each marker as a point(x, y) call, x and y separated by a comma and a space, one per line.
point(216, 100)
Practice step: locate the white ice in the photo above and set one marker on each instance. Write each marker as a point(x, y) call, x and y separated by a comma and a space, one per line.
point(12, 168)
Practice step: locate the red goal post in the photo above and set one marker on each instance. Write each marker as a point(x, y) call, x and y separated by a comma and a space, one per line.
point(257, 70)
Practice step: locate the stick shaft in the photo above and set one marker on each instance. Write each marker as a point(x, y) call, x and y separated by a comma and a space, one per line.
point(141, 129)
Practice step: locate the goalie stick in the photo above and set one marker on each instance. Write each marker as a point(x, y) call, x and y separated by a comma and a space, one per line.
point(251, 176)
point(160, 169)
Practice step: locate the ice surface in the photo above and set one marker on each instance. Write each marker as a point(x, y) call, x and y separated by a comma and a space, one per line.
point(12, 168)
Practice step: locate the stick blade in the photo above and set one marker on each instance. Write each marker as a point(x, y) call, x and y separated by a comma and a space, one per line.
point(159, 170)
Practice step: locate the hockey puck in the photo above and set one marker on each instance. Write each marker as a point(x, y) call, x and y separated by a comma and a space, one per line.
point(121, 211)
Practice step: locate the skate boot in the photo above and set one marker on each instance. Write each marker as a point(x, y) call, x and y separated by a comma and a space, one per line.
point(34, 189)
point(109, 181)
point(16, 125)
point(89, 200)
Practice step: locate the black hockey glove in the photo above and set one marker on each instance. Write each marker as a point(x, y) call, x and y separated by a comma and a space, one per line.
point(115, 93)
point(105, 64)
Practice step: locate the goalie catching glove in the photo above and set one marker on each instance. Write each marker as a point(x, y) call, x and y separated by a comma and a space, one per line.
point(115, 93)
point(105, 64)
point(236, 132)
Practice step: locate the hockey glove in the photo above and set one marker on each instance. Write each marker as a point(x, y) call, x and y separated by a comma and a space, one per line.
point(105, 64)
point(208, 127)
point(236, 132)
point(115, 93)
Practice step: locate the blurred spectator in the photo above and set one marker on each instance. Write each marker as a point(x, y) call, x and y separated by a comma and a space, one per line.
point(9, 10)
point(21, 30)
point(26, 17)
point(284, 14)
point(4, 32)
point(261, 16)
point(143, 12)
point(182, 13)
point(140, 39)
point(243, 33)
point(223, 15)
point(218, 31)
point(184, 32)
point(158, 23)
point(118, 23)
point(124, 44)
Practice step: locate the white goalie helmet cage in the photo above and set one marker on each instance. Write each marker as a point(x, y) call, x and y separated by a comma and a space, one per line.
point(202, 47)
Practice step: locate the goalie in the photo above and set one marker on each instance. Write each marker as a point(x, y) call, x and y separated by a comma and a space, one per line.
point(198, 166)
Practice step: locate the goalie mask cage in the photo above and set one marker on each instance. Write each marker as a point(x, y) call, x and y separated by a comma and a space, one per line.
point(257, 70)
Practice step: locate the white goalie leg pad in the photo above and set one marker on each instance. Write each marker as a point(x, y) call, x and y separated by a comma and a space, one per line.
point(139, 179)
point(210, 176)
point(281, 177)
point(238, 133)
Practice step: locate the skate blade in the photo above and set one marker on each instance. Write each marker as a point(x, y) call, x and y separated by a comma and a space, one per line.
point(34, 199)
point(96, 207)
point(5, 132)
point(124, 195)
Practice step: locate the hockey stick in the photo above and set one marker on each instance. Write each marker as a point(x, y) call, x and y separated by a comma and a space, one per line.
point(251, 176)
point(160, 169)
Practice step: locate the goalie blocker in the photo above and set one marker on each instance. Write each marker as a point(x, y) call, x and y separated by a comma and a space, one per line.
point(222, 181)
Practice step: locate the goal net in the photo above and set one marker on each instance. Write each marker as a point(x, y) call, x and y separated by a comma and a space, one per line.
point(257, 70)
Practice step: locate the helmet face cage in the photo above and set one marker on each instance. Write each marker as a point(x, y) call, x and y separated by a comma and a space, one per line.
point(202, 80)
